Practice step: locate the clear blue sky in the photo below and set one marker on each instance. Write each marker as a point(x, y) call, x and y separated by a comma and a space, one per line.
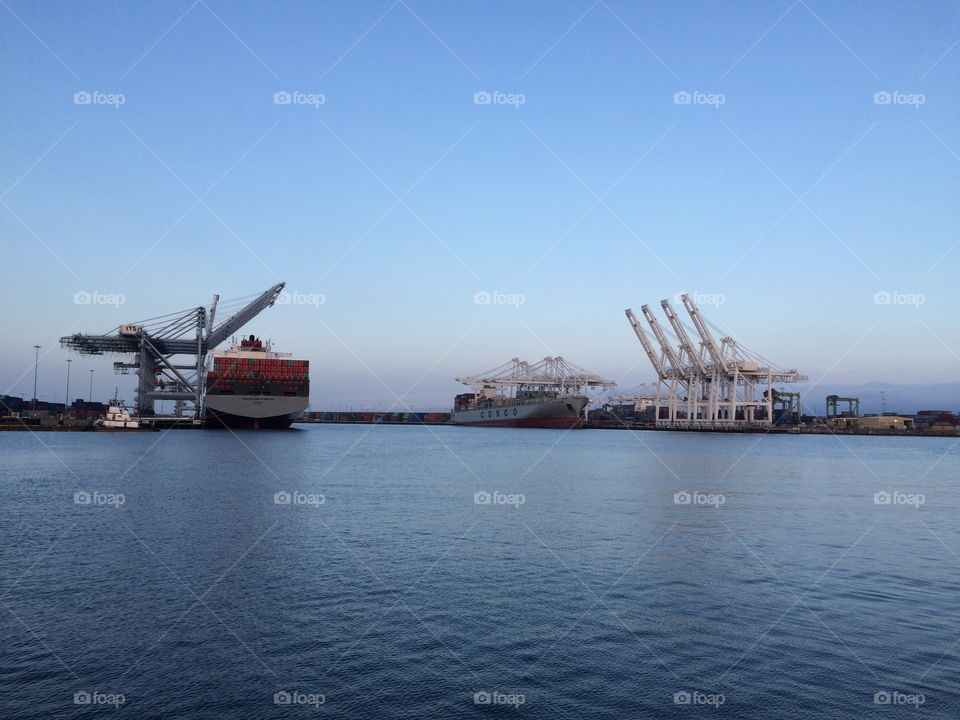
point(796, 199)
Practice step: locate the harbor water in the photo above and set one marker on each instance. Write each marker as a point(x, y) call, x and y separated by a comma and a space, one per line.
point(446, 572)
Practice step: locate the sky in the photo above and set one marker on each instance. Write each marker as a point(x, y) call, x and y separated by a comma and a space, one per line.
point(793, 165)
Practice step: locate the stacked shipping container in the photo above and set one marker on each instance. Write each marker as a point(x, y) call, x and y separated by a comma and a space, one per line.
point(249, 375)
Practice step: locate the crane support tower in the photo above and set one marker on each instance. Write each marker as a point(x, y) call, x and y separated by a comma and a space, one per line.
point(169, 352)
point(708, 384)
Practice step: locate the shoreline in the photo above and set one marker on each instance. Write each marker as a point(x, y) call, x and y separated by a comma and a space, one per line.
point(773, 430)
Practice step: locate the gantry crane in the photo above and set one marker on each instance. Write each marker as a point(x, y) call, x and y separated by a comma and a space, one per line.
point(551, 373)
point(719, 385)
point(832, 409)
point(786, 407)
point(670, 369)
point(156, 342)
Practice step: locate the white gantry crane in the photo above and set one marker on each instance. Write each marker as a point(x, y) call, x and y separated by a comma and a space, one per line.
point(708, 384)
point(155, 343)
point(552, 373)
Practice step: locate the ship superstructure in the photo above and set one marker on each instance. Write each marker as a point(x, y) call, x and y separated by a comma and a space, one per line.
point(117, 418)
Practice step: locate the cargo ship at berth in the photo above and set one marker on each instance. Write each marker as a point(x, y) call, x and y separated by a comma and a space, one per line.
point(549, 394)
point(251, 386)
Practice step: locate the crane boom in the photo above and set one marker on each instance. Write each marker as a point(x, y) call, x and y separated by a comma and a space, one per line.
point(668, 350)
point(647, 347)
point(212, 314)
point(156, 341)
point(551, 371)
point(243, 316)
point(704, 332)
point(681, 333)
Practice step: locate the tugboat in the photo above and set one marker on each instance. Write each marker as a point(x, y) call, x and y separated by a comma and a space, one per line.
point(117, 418)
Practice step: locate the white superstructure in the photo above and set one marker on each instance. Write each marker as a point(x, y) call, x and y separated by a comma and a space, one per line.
point(117, 418)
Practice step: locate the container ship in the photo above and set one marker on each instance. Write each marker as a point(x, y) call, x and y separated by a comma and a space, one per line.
point(527, 409)
point(548, 394)
point(251, 386)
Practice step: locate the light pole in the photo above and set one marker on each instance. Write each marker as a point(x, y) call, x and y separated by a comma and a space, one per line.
point(66, 399)
point(90, 396)
point(36, 364)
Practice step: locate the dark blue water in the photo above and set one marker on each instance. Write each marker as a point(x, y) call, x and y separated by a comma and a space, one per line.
point(581, 590)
